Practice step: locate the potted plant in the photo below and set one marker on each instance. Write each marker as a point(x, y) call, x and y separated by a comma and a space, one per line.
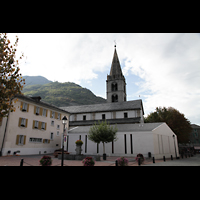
point(141, 158)
point(46, 161)
point(79, 142)
point(78, 147)
point(88, 161)
point(122, 161)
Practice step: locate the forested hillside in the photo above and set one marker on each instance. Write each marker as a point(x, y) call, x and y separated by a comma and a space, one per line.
point(63, 94)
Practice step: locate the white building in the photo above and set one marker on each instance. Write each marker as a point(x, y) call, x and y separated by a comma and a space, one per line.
point(134, 136)
point(34, 128)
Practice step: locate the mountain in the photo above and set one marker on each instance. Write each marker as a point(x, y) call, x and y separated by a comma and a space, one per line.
point(33, 80)
point(63, 94)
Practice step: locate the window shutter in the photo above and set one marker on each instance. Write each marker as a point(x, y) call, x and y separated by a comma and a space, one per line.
point(27, 107)
point(26, 122)
point(20, 120)
point(34, 109)
point(41, 109)
point(48, 141)
point(56, 115)
point(17, 139)
point(33, 124)
point(24, 139)
point(46, 112)
point(51, 114)
point(43, 140)
point(60, 116)
point(39, 125)
point(45, 126)
point(21, 106)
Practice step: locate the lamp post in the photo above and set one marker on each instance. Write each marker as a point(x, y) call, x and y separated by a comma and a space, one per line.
point(64, 121)
point(174, 145)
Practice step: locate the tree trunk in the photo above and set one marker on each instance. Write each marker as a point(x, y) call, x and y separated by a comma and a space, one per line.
point(103, 147)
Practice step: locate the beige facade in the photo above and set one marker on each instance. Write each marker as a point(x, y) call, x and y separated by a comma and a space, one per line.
point(34, 128)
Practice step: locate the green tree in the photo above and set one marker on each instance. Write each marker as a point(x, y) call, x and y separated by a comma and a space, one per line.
point(102, 132)
point(180, 125)
point(11, 82)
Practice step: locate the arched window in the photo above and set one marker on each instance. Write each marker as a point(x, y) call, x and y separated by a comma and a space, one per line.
point(114, 98)
point(114, 87)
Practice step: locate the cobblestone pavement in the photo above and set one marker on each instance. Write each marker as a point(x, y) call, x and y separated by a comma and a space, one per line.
point(33, 160)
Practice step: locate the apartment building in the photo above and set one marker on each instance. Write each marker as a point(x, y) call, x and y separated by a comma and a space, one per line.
point(34, 128)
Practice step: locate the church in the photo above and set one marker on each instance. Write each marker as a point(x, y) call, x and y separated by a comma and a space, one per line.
point(133, 136)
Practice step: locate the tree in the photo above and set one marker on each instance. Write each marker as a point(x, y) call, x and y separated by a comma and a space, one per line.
point(180, 125)
point(10, 79)
point(102, 132)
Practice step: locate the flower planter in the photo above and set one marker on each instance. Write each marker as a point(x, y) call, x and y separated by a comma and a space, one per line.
point(88, 161)
point(78, 149)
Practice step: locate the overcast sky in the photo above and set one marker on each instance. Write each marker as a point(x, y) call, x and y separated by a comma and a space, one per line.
point(164, 69)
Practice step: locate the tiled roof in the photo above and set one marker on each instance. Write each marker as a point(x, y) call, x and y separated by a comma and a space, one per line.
point(117, 106)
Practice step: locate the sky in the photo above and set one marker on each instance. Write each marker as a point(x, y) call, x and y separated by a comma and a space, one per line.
point(162, 69)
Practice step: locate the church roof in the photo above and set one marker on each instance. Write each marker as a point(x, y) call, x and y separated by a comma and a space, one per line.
point(106, 107)
point(124, 127)
point(115, 67)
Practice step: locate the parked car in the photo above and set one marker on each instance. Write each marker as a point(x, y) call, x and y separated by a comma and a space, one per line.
point(59, 151)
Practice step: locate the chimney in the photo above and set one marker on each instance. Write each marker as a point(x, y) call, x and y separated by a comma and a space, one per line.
point(37, 98)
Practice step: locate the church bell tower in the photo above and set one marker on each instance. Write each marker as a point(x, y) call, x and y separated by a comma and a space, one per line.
point(116, 83)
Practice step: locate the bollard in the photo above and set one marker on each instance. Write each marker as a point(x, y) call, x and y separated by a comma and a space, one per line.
point(153, 160)
point(171, 157)
point(138, 161)
point(164, 158)
point(21, 163)
point(116, 163)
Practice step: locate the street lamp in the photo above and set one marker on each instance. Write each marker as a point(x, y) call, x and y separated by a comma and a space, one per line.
point(64, 121)
point(174, 145)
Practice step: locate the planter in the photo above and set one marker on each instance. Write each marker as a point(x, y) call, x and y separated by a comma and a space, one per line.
point(78, 149)
point(88, 161)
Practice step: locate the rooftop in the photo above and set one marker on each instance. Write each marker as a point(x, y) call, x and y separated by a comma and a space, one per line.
point(117, 106)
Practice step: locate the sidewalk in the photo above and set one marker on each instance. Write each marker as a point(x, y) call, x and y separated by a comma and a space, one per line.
point(33, 160)
point(189, 161)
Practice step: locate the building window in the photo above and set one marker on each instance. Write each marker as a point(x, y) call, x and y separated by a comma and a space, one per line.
point(38, 140)
point(36, 124)
point(37, 112)
point(58, 126)
point(114, 98)
point(58, 116)
point(125, 149)
point(51, 137)
point(44, 113)
point(24, 107)
point(21, 139)
point(84, 117)
point(103, 116)
point(46, 141)
point(114, 87)
point(23, 122)
point(125, 115)
point(131, 140)
point(52, 123)
point(52, 114)
point(57, 133)
point(43, 125)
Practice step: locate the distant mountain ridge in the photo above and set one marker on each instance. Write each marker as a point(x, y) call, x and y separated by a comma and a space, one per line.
point(59, 94)
point(33, 80)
